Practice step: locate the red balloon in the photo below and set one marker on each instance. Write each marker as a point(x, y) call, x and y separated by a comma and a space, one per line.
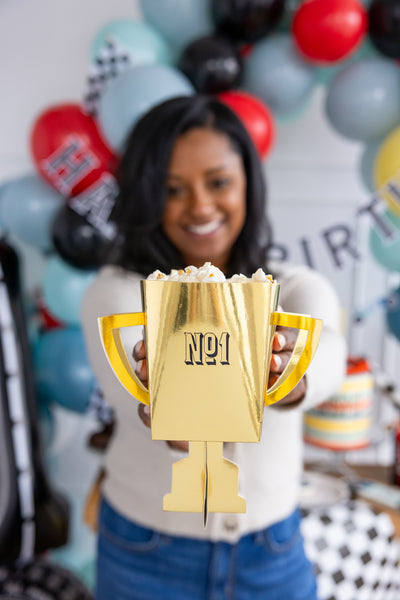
point(328, 31)
point(67, 149)
point(256, 117)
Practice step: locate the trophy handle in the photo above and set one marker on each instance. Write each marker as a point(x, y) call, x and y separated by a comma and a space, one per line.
point(303, 352)
point(115, 351)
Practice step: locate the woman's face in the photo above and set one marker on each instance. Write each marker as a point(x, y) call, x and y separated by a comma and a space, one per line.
point(206, 197)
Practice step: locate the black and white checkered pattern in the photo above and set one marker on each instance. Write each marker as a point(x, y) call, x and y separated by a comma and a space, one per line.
point(41, 580)
point(355, 553)
point(112, 60)
point(99, 407)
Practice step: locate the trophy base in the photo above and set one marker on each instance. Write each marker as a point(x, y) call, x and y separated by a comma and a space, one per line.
point(204, 482)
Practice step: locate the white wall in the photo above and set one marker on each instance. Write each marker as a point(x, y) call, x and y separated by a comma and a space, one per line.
point(44, 50)
point(312, 173)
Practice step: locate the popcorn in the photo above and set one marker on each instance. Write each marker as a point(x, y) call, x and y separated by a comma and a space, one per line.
point(259, 275)
point(157, 275)
point(238, 278)
point(208, 273)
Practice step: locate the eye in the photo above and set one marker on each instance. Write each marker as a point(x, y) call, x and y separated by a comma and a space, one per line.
point(218, 183)
point(174, 191)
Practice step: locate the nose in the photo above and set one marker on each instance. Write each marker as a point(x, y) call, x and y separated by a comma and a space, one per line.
point(201, 203)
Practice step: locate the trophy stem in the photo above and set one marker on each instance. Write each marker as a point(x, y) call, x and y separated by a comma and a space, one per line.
point(223, 482)
point(189, 481)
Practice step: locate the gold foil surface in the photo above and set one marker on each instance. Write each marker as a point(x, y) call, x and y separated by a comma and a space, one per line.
point(208, 353)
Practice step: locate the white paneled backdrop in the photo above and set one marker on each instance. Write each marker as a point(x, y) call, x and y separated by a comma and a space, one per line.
point(314, 184)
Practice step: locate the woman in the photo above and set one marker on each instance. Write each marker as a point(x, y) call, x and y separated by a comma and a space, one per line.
point(191, 190)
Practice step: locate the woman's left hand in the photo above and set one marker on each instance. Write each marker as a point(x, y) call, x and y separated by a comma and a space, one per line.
point(283, 343)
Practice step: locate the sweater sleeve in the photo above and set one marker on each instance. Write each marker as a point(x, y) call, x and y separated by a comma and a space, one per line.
point(112, 292)
point(306, 291)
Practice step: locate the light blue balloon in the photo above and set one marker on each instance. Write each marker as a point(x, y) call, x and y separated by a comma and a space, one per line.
point(61, 369)
point(363, 99)
point(132, 93)
point(385, 250)
point(28, 206)
point(180, 21)
point(63, 289)
point(276, 73)
point(3, 186)
point(139, 40)
point(366, 50)
point(393, 313)
point(367, 161)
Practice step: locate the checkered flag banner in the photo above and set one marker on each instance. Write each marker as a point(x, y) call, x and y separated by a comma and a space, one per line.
point(99, 407)
point(355, 553)
point(112, 60)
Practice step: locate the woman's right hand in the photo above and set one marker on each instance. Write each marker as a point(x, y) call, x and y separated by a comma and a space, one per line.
point(139, 355)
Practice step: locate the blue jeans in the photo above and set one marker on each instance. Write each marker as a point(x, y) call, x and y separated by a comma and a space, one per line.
point(136, 563)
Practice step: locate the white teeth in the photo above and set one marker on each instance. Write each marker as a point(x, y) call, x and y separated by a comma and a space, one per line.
point(204, 229)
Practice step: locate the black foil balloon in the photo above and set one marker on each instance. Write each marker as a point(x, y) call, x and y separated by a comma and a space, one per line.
point(247, 20)
point(78, 242)
point(213, 64)
point(384, 26)
point(33, 517)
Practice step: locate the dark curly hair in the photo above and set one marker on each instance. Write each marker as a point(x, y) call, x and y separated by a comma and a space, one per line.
point(142, 177)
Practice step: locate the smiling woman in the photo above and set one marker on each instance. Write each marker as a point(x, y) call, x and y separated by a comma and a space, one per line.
point(206, 197)
point(191, 192)
point(195, 176)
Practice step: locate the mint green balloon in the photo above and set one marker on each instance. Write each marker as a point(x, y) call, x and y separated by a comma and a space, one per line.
point(386, 251)
point(180, 21)
point(275, 73)
point(28, 207)
point(132, 93)
point(363, 99)
point(63, 289)
point(327, 73)
point(139, 40)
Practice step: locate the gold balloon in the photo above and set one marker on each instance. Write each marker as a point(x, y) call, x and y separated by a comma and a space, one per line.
point(387, 170)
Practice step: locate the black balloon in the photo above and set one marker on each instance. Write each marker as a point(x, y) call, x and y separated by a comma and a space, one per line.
point(78, 242)
point(33, 517)
point(213, 64)
point(247, 20)
point(384, 26)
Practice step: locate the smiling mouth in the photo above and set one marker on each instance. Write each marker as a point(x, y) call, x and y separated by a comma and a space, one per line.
point(205, 229)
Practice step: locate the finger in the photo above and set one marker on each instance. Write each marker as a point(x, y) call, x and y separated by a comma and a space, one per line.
point(284, 338)
point(144, 414)
point(278, 341)
point(279, 361)
point(141, 371)
point(139, 351)
point(272, 379)
point(178, 445)
point(276, 363)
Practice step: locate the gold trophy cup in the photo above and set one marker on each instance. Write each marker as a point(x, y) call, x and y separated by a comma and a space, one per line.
point(208, 354)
